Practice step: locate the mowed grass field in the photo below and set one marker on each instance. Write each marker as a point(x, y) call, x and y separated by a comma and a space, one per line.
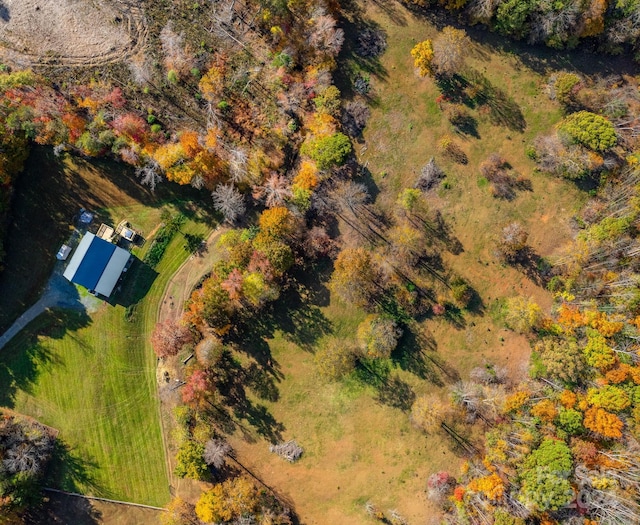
point(359, 443)
point(92, 376)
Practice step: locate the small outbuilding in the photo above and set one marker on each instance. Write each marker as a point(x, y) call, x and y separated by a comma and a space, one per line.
point(63, 252)
point(97, 265)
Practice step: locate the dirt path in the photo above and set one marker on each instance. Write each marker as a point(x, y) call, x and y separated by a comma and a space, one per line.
point(180, 285)
point(176, 292)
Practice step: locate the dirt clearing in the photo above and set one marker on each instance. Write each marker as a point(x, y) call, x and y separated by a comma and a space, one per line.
point(70, 32)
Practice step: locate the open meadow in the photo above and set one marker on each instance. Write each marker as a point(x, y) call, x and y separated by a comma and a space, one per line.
point(359, 443)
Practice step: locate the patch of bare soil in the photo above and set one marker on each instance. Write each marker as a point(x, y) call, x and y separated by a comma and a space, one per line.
point(70, 32)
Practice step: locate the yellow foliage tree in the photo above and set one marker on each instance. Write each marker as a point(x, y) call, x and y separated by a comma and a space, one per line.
point(491, 486)
point(516, 400)
point(227, 501)
point(276, 222)
point(211, 84)
point(168, 155)
point(422, 54)
point(568, 399)
point(307, 177)
point(322, 124)
point(545, 410)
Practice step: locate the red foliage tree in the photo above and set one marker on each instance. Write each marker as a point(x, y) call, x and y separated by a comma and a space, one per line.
point(197, 388)
point(169, 337)
point(131, 126)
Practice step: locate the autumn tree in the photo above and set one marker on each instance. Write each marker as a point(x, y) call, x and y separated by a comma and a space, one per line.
point(335, 359)
point(328, 151)
point(449, 51)
point(562, 360)
point(428, 413)
point(378, 336)
point(544, 473)
point(604, 423)
point(523, 315)
point(179, 512)
point(227, 501)
point(422, 54)
point(198, 388)
point(190, 461)
point(590, 130)
point(355, 277)
point(169, 337)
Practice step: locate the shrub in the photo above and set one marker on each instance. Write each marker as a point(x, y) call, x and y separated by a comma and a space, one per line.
point(449, 148)
point(565, 87)
point(590, 130)
point(328, 151)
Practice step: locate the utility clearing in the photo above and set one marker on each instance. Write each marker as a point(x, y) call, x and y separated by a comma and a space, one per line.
point(70, 32)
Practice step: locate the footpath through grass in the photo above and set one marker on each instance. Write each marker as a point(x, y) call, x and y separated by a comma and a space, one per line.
point(93, 376)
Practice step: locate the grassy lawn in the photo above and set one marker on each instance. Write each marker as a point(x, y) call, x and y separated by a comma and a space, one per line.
point(94, 378)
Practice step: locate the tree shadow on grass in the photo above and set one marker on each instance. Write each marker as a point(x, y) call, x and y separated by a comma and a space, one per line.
point(230, 379)
point(533, 266)
point(352, 62)
point(391, 390)
point(417, 353)
point(294, 314)
point(67, 471)
point(261, 383)
point(396, 393)
point(60, 508)
point(503, 109)
point(27, 356)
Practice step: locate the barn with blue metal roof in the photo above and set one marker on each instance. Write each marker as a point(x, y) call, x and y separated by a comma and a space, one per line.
point(97, 265)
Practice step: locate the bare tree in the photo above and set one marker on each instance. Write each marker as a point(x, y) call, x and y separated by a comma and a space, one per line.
point(450, 50)
point(177, 56)
point(512, 242)
point(554, 24)
point(141, 69)
point(324, 36)
point(350, 196)
point(354, 117)
point(489, 374)
point(216, 452)
point(229, 202)
point(150, 174)
point(289, 450)
point(430, 175)
point(468, 396)
point(275, 191)
point(483, 10)
point(238, 158)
